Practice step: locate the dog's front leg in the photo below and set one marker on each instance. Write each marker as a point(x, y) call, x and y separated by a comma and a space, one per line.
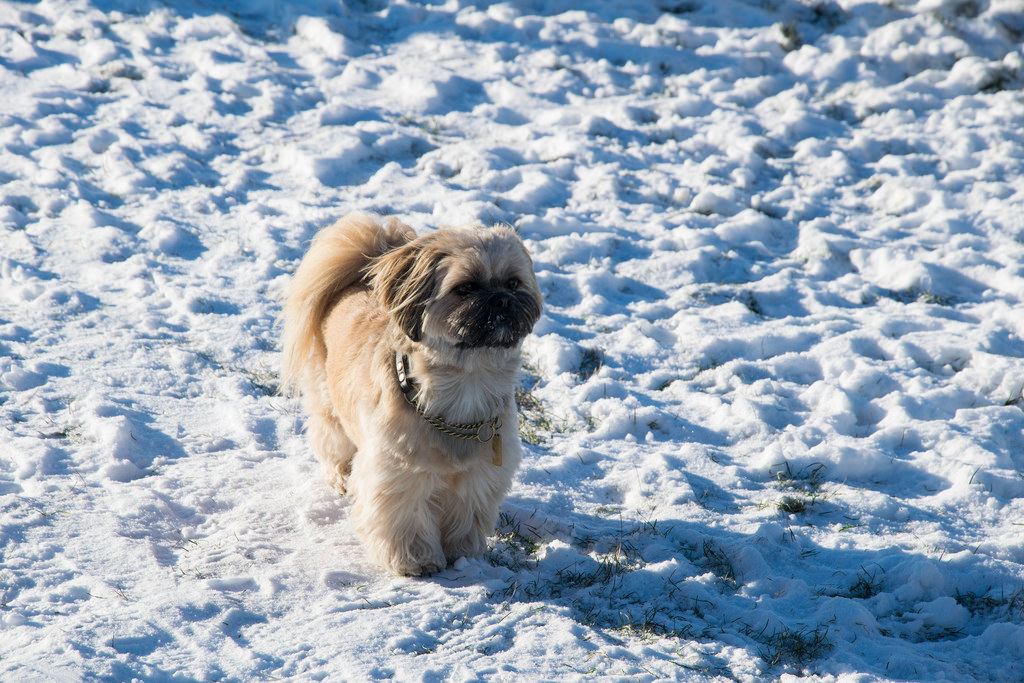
point(396, 514)
point(470, 510)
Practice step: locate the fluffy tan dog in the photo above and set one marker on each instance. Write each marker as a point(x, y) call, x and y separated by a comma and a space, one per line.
point(406, 351)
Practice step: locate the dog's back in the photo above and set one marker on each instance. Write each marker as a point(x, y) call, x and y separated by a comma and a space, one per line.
point(336, 259)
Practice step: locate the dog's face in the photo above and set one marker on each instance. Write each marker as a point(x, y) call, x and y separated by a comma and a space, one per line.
point(464, 288)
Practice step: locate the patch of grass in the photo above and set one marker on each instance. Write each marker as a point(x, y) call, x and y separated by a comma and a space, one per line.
point(1016, 604)
point(592, 587)
point(535, 424)
point(927, 297)
point(646, 626)
point(912, 295)
point(788, 647)
point(625, 557)
point(69, 428)
point(622, 559)
point(976, 603)
point(792, 505)
point(514, 548)
point(804, 487)
point(599, 575)
point(999, 78)
point(1016, 398)
point(747, 298)
point(262, 379)
point(790, 36)
point(718, 295)
point(809, 478)
point(48, 514)
point(708, 666)
point(716, 561)
point(591, 361)
point(71, 431)
point(867, 585)
point(665, 384)
point(1010, 607)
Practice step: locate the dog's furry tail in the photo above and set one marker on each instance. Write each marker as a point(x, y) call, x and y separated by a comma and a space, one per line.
point(336, 259)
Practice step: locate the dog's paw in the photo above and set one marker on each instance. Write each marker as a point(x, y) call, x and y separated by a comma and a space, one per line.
point(410, 566)
point(336, 479)
point(415, 558)
point(470, 545)
point(416, 569)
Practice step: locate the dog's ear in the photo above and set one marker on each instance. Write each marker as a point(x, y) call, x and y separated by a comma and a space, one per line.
point(404, 280)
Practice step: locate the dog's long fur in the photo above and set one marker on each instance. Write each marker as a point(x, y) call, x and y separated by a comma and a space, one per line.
point(366, 289)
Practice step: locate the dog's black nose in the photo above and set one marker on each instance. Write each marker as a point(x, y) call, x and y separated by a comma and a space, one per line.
point(501, 300)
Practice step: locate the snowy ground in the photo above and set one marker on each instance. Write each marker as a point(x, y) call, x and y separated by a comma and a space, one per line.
point(773, 408)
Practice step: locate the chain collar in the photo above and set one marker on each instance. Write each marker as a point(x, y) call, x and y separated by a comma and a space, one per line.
point(483, 432)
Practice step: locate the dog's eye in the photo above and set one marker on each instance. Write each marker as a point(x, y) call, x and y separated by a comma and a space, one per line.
point(513, 283)
point(465, 289)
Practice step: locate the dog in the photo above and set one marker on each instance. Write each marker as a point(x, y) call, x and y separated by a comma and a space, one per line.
point(406, 351)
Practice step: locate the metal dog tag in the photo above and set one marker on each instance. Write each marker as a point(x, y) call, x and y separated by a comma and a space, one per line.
point(496, 446)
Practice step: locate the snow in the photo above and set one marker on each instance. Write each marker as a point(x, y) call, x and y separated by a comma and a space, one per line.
point(772, 412)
